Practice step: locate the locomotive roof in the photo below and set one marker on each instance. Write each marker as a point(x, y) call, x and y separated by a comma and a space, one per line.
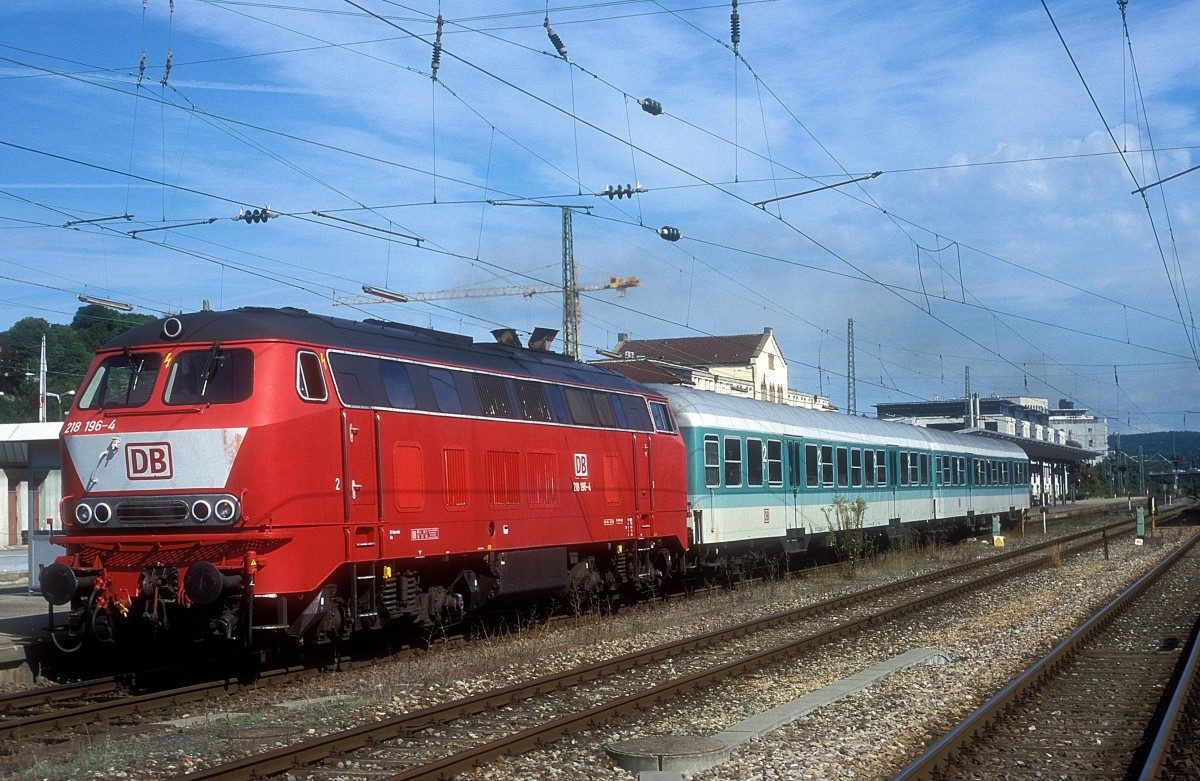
point(373, 336)
point(705, 408)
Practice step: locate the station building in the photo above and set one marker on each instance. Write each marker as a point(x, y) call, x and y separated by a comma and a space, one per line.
point(1048, 437)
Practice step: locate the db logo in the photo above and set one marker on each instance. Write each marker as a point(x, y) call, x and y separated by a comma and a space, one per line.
point(149, 461)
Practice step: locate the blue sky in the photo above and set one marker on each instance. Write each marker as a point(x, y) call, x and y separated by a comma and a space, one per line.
point(1002, 234)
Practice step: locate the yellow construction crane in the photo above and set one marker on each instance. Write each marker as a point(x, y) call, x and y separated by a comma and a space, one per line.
point(619, 284)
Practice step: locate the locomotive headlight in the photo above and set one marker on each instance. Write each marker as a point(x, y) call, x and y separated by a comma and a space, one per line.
point(201, 510)
point(225, 510)
point(83, 514)
point(102, 513)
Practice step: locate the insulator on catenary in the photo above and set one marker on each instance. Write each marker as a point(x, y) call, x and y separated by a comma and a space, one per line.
point(554, 39)
point(437, 48)
point(735, 27)
point(620, 192)
point(650, 106)
point(254, 215)
point(669, 233)
point(141, 70)
point(167, 71)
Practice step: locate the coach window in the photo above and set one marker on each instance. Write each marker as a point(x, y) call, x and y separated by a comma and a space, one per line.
point(212, 376)
point(712, 461)
point(310, 380)
point(795, 466)
point(812, 466)
point(827, 466)
point(774, 463)
point(881, 477)
point(903, 468)
point(869, 466)
point(754, 463)
point(662, 417)
point(914, 469)
point(445, 391)
point(856, 468)
point(923, 462)
point(733, 462)
point(531, 396)
point(843, 468)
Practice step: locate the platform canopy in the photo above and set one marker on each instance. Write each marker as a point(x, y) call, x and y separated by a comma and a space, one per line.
point(18, 441)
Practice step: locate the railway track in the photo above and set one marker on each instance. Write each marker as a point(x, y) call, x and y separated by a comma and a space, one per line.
point(443, 740)
point(1104, 704)
point(116, 700)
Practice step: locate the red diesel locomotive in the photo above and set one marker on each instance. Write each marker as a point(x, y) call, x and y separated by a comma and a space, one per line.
point(269, 470)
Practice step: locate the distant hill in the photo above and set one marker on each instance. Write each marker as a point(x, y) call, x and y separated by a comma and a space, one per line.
point(1160, 443)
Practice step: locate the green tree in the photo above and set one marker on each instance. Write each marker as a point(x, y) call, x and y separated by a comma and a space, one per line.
point(69, 351)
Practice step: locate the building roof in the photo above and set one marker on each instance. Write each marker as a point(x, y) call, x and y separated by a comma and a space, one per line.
point(737, 350)
point(16, 438)
point(643, 371)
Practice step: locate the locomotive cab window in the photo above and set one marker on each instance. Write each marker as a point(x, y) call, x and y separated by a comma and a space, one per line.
point(662, 417)
point(211, 376)
point(310, 380)
point(122, 381)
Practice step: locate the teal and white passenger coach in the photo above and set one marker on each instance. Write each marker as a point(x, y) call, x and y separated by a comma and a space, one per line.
point(764, 476)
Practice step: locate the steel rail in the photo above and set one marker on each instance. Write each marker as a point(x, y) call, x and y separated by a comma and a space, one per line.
point(1188, 679)
point(288, 758)
point(936, 756)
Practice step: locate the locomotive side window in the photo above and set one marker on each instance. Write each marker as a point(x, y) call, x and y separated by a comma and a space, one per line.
point(398, 385)
point(579, 402)
point(733, 462)
point(635, 412)
point(310, 380)
point(557, 403)
point(712, 461)
point(357, 380)
point(531, 396)
point(604, 409)
point(493, 396)
point(212, 376)
point(445, 391)
point(122, 381)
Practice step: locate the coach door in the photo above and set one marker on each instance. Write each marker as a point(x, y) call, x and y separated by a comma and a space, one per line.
point(361, 485)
